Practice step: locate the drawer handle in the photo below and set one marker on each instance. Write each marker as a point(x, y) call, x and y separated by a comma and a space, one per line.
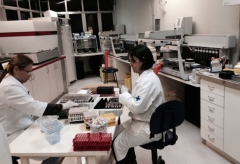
point(211, 139)
point(211, 99)
point(211, 109)
point(210, 88)
point(211, 119)
point(211, 129)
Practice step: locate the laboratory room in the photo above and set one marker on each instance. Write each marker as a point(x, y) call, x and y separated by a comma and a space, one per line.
point(119, 81)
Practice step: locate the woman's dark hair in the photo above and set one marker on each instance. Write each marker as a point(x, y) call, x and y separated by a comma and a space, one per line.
point(19, 60)
point(144, 54)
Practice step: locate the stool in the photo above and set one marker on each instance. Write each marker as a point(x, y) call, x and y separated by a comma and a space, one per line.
point(110, 70)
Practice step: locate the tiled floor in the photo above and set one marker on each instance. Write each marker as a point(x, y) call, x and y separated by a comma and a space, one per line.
point(189, 149)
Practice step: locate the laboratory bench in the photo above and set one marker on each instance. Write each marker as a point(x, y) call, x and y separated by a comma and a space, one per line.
point(42, 64)
point(212, 105)
point(88, 54)
point(178, 79)
point(28, 145)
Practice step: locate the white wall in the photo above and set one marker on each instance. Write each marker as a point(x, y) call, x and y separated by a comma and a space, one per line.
point(209, 16)
point(1, 14)
point(135, 14)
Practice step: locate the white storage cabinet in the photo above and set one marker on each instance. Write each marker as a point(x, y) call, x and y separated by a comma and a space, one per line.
point(220, 123)
point(46, 83)
point(212, 109)
point(232, 123)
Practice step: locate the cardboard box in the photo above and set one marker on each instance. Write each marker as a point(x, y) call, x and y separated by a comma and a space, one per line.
point(128, 82)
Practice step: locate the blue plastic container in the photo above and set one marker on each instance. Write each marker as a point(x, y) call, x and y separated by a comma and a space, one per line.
point(53, 138)
point(52, 131)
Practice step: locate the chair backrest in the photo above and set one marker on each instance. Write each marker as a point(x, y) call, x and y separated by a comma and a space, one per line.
point(167, 116)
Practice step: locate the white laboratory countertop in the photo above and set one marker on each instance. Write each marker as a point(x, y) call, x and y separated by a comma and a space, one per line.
point(125, 61)
point(43, 64)
point(117, 58)
point(214, 77)
point(32, 142)
point(162, 74)
point(88, 54)
point(178, 79)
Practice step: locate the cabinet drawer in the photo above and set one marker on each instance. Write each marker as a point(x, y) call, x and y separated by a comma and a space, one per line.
point(212, 87)
point(211, 108)
point(212, 98)
point(211, 138)
point(212, 129)
point(211, 118)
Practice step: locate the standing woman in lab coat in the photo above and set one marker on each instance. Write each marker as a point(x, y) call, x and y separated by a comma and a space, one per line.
point(17, 106)
point(147, 95)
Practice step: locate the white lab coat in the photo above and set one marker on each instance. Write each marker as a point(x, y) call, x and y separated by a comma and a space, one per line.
point(5, 156)
point(147, 95)
point(17, 107)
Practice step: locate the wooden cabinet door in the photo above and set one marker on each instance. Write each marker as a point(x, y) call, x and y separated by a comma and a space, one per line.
point(53, 80)
point(40, 84)
point(232, 123)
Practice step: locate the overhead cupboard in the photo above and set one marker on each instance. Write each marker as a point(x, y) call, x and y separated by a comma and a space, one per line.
point(220, 123)
point(46, 82)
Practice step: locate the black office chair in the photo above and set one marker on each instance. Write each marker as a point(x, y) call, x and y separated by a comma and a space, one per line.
point(167, 116)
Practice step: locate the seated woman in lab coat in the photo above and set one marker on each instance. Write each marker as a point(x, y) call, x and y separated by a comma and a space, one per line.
point(17, 106)
point(147, 95)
